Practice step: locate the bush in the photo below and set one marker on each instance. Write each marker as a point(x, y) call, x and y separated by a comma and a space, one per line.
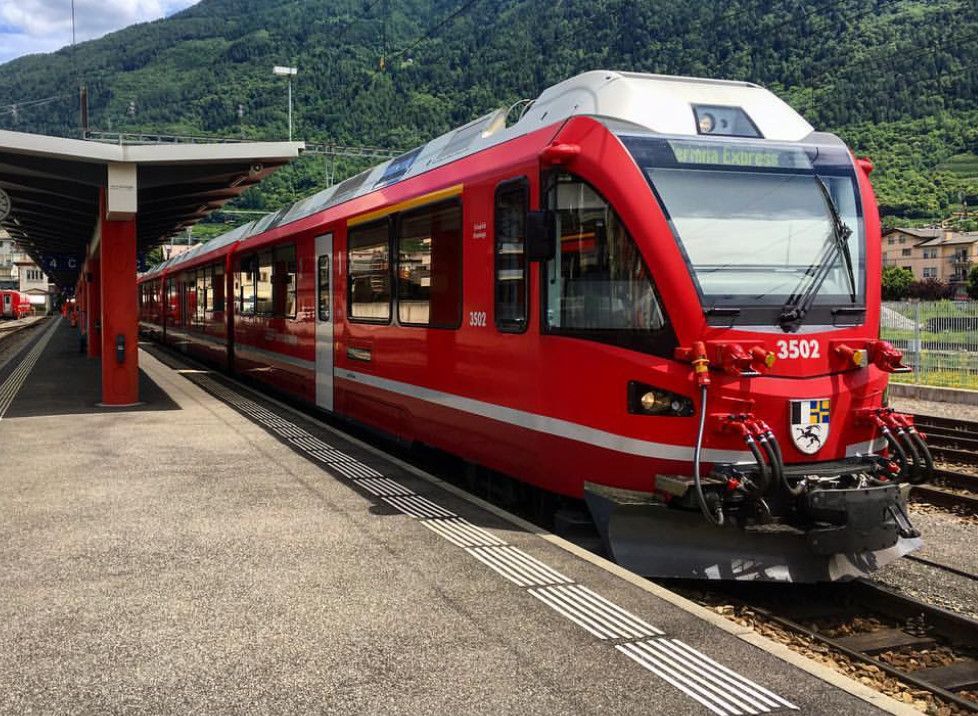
point(930, 289)
point(896, 283)
point(973, 282)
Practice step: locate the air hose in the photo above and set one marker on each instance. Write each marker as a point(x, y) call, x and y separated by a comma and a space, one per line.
point(901, 454)
point(697, 452)
point(925, 457)
point(763, 475)
point(915, 460)
point(795, 490)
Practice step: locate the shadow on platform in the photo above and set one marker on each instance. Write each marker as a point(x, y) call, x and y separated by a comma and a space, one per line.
point(66, 382)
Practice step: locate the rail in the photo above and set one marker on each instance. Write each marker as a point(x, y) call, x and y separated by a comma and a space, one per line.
point(954, 443)
point(908, 625)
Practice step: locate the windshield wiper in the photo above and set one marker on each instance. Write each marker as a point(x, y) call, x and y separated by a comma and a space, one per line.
point(800, 302)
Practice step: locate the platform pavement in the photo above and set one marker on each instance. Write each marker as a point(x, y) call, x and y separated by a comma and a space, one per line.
point(183, 557)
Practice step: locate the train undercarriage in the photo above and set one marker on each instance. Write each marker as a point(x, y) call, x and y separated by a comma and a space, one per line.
point(808, 522)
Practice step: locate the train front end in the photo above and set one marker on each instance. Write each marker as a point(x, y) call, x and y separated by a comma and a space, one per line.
point(763, 239)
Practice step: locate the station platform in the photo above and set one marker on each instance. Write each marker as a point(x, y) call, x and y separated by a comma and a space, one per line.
point(212, 550)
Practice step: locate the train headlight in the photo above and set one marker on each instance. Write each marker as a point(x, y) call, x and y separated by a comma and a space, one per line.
point(654, 402)
point(646, 400)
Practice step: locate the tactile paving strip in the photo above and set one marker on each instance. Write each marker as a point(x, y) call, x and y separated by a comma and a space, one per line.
point(15, 381)
point(714, 686)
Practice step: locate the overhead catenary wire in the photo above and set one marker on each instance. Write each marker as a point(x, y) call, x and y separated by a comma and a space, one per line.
point(436, 28)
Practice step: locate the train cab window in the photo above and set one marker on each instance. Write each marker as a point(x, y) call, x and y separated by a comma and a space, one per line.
point(368, 269)
point(597, 285)
point(323, 288)
point(283, 282)
point(429, 266)
point(512, 203)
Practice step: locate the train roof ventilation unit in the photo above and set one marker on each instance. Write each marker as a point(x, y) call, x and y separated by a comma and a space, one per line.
point(467, 135)
point(347, 188)
point(399, 166)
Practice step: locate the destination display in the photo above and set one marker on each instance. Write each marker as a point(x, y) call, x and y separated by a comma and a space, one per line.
point(738, 155)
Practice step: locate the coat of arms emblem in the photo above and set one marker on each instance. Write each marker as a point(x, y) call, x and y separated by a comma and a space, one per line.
point(810, 424)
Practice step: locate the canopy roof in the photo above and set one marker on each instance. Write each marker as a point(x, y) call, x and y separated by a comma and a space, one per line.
point(54, 186)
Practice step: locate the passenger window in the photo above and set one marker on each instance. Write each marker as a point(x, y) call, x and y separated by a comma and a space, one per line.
point(368, 269)
point(245, 286)
point(216, 299)
point(201, 295)
point(283, 282)
point(597, 285)
point(263, 285)
point(429, 266)
point(512, 203)
point(323, 288)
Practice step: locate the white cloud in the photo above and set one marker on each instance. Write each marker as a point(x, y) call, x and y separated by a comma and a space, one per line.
point(28, 26)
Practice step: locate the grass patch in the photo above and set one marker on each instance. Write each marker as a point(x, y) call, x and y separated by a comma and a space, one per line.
point(964, 165)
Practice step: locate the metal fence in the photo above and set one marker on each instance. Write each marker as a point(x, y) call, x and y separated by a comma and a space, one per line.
point(939, 339)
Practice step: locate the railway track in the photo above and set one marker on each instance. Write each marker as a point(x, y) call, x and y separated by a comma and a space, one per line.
point(953, 443)
point(8, 328)
point(904, 638)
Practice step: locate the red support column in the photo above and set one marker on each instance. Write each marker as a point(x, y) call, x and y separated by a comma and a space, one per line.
point(120, 367)
point(93, 308)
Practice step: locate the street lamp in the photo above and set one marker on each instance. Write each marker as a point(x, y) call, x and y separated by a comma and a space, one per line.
point(288, 72)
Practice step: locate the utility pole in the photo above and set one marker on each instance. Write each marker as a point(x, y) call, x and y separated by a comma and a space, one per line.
point(288, 73)
point(83, 108)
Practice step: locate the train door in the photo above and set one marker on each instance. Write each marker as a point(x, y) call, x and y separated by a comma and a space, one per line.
point(324, 321)
point(7, 308)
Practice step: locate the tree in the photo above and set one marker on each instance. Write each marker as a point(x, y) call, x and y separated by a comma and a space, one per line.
point(973, 282)
point(896, 283)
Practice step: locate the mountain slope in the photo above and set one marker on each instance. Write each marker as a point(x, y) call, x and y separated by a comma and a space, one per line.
point(883, 73)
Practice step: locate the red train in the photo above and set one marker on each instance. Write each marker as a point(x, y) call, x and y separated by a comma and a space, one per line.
point(660, 294)
point(14, 304)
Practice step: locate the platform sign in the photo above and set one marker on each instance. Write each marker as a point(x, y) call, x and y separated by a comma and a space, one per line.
point(4, 205)
point(59, 262)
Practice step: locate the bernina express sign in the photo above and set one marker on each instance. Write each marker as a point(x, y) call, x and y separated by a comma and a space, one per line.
point(4, 205)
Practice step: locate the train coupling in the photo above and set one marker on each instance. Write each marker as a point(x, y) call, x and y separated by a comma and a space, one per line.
point(831, 533)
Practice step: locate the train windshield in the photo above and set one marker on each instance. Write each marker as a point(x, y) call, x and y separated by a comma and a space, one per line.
point(761, 223)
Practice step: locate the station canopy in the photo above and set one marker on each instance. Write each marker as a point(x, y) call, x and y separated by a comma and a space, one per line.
point(55, 186)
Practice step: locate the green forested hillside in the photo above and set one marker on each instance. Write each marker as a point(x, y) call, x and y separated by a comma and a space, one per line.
point(898, 79)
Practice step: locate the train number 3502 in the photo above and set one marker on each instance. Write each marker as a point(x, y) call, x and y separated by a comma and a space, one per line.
point(799, 348)
point(477, 318)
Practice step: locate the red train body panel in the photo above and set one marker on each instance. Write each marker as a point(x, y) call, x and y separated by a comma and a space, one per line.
point(555, 406)
point(14, 304)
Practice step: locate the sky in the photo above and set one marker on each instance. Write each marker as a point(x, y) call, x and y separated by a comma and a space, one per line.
point(30, 26)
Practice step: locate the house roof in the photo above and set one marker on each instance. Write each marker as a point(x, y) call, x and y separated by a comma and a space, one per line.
point(951, 239)
point(919, 233)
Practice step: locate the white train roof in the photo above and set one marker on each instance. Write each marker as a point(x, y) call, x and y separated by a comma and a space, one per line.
point(649, 103)
point(663, 104)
